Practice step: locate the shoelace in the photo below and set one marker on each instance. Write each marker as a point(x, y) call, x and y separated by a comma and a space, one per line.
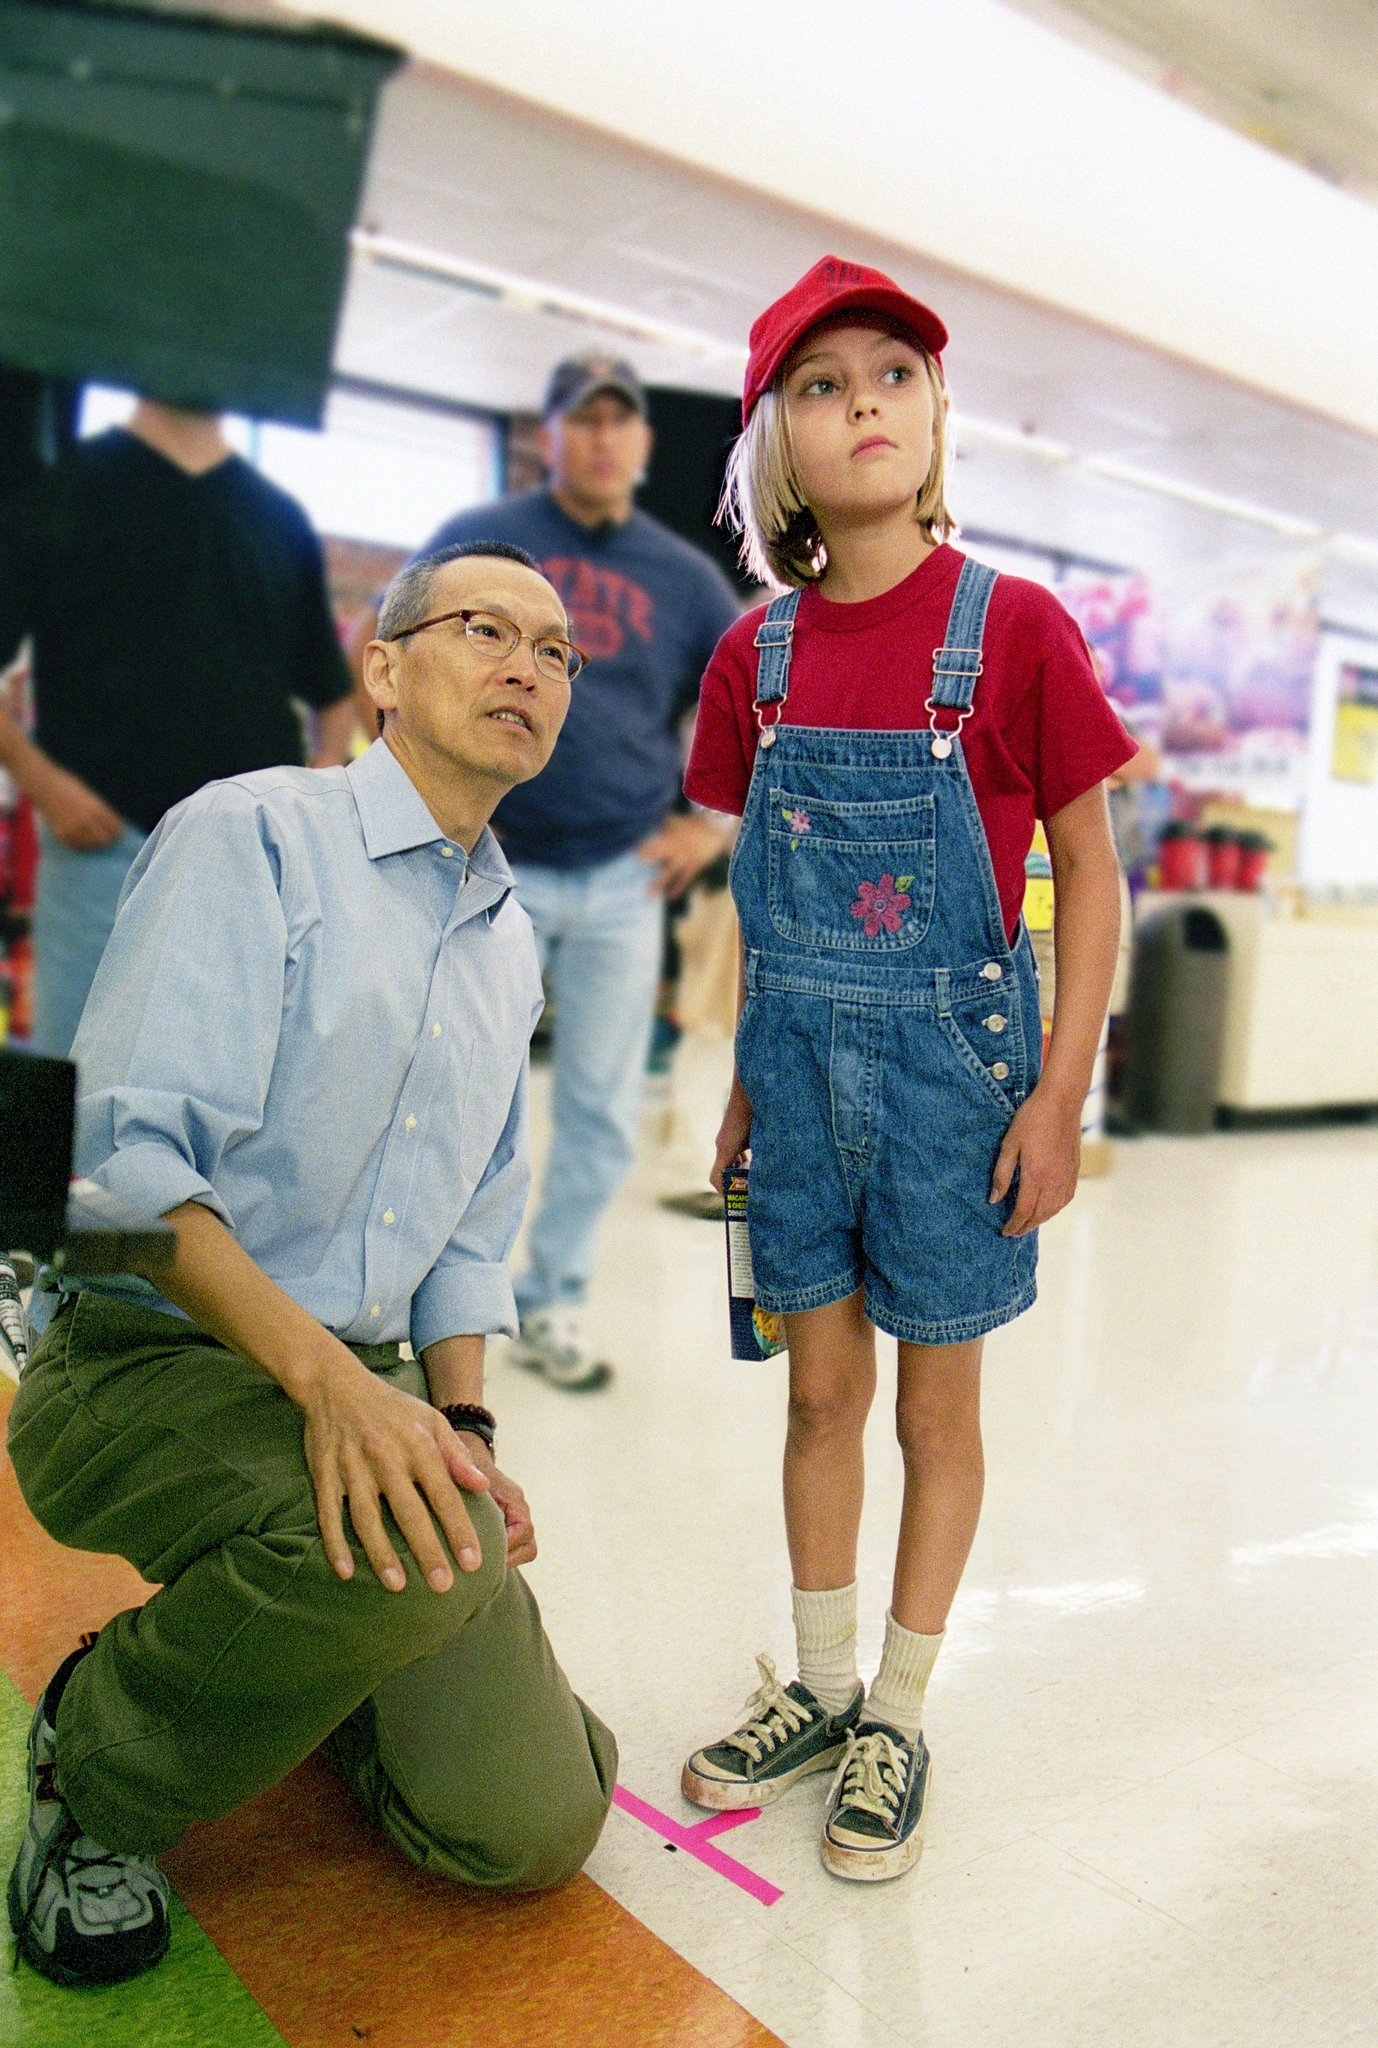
point(61, 1843)
point(874, 1773)
point(62, 1853)
point(772, 1716)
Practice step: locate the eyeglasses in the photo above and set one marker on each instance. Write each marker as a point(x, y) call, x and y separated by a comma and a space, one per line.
point(490, 634)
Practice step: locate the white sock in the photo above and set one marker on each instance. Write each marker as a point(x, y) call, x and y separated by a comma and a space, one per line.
point(906, 1664)
point(825, 1631)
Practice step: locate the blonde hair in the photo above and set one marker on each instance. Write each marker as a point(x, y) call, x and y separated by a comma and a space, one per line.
point(763, 500)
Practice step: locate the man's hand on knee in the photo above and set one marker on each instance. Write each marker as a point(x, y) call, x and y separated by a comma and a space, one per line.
point(367, 1442)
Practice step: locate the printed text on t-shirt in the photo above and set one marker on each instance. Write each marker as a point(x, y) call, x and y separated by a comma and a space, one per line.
point(602, 606)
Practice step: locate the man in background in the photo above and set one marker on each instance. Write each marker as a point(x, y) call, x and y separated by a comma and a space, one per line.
point(595, 842)
point(177, 605)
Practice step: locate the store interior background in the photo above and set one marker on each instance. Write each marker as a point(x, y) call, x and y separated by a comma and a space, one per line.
point(495, 229)
point(1153, 232)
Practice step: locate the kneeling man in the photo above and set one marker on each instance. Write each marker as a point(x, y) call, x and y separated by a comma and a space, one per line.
point(306, 1047)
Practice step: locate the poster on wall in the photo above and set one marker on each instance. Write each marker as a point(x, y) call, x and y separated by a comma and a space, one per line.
point(1354, 753)
point(1215, 671)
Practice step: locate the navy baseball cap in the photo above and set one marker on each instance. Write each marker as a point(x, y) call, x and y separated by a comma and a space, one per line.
point(581, 377)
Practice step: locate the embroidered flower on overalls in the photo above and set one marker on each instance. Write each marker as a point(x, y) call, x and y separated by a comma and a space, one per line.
point(881, 904)
point(798, 822)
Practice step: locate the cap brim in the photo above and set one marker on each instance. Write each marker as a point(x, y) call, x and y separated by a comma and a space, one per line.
point(911, 315)
point(916, 318)
point(635, 399)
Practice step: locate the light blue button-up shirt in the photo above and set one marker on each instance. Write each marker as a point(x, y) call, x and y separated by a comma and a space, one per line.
point(313, 1016)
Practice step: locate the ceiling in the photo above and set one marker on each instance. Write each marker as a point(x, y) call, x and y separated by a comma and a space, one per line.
point(539, 219)
point(1301, 78)
point(465, 177)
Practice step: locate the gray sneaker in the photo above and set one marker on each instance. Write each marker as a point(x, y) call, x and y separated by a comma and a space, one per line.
point(786, 1735)
point(874, 1824)
point(552, 1344)
point(81, 1914)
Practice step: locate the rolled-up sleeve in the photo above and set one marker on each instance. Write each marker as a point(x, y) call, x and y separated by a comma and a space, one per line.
point(468, 1291)
point(177, 1043)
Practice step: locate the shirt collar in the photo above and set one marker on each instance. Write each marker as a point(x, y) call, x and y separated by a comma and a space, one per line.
point(394, 817)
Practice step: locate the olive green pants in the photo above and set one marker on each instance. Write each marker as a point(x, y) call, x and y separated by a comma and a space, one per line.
point(135, 1432)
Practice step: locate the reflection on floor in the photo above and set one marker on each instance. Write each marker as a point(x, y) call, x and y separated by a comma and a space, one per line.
point(1155, 1796)
point(1156, 1768)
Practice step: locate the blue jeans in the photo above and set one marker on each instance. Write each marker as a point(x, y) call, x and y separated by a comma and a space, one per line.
point(600, 932)
point(74, 912)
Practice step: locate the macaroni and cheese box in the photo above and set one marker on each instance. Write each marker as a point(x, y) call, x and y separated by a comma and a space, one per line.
point(756, 1333)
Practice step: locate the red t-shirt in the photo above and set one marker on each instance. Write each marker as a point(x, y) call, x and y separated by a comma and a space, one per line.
point(1042, 731)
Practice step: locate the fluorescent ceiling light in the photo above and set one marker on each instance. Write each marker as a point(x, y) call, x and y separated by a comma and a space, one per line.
point(1352, 547)
point(527, 295)
point(991, 435)
point(530, 295)
point(1206, 501)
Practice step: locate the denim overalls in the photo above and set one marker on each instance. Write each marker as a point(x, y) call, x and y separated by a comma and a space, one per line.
point(889, 1031)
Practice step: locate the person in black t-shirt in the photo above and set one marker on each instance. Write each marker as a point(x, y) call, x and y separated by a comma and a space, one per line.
point(177, 605)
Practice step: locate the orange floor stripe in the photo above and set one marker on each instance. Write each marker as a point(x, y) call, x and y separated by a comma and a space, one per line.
point(335, 1935)
point(339, 1940)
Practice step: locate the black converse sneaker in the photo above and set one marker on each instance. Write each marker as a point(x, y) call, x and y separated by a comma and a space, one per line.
point(874, 1824)
point(81, 1914)
point(786, 1735)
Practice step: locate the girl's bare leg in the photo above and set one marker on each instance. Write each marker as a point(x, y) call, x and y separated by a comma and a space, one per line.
point(832, 1381)
point(938, 1421)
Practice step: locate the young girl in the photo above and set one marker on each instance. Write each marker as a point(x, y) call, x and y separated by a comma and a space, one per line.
point(889, 730)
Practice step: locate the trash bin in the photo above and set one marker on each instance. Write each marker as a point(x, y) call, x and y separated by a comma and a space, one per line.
point(1177, 1019)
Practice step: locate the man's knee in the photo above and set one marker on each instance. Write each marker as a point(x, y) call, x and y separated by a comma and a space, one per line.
point(546, 1837)
point(425, 1620)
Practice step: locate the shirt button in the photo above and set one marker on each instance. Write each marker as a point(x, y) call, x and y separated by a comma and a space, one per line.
point(1001, 1071)
point(447, 853)
point(435, 1031)
point(388, 1216)
point(995, 1023)
point(377, 1309)
point(410, 1123)
point(992, 970)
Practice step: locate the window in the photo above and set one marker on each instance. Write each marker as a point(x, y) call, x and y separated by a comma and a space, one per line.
point(381, 469)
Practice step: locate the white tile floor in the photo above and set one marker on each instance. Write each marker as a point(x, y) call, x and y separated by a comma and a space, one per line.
point(1154, 1821)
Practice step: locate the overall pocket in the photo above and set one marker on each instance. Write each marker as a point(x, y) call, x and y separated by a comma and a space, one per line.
point(854, 878)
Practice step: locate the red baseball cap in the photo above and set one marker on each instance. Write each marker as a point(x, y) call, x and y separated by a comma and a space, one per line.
point(831, 287)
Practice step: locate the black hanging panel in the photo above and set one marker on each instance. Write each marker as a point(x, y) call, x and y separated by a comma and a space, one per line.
point(176, 193)
point(694, 432)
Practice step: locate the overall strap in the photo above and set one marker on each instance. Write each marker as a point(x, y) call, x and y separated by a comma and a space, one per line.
point(774, 645)
point(957, 663)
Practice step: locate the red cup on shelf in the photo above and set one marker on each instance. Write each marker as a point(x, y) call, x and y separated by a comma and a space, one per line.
point(1182, 857)
point(23, 855)
point(20, 970)
point(1223, 851)
point(1254, 850)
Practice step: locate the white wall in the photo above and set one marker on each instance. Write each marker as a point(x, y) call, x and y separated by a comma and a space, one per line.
point(1339, 834)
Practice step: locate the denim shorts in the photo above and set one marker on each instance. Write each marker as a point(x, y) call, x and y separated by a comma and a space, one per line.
point(875, 1132)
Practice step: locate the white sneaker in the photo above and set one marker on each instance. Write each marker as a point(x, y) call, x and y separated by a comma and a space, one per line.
point(552, 1344)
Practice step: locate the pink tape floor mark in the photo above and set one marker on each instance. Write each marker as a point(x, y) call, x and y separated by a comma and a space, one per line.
point(697, 1841)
